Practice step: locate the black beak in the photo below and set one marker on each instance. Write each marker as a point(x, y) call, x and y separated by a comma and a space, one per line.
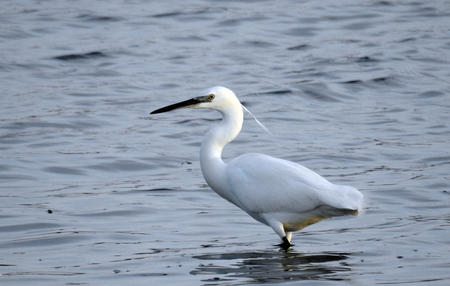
point(189, 102)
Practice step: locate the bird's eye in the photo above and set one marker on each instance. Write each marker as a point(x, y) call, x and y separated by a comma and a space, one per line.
point(211, 97)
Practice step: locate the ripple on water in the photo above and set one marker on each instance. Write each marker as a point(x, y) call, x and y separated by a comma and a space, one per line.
point(320, 92)
point(431, 93)
point(81, 56)
point(64, 170)
point(27, 227)
point(98, 18)
point(112, 213)
point(122, 165)
point(45, 240)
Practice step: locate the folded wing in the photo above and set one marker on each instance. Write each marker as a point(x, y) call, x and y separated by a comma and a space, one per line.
point(264, 184)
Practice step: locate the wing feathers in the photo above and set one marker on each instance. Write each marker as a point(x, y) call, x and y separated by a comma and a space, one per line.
point(263, 184)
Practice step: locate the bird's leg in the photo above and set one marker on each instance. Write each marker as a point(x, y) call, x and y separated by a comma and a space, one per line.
point(288, 235)
point(285, 244)
point(279, 229)
point(286, 241)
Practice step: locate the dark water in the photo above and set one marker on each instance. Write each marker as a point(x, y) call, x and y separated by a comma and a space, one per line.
point(96, 192)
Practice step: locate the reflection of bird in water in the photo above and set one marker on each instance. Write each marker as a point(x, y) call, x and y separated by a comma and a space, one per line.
point(281, 194)
point(273, 266)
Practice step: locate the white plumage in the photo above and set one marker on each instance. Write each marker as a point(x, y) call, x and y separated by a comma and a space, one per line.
point(281, 194)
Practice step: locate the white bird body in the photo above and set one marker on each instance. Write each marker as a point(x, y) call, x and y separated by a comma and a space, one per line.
point(281, 194)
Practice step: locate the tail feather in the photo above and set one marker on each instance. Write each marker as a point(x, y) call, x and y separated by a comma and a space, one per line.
point(344, 199)
point(328, 211)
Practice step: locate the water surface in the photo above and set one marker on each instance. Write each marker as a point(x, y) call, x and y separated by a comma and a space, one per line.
point(95, 191)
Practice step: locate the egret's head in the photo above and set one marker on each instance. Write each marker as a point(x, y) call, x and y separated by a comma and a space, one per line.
point(219, 98)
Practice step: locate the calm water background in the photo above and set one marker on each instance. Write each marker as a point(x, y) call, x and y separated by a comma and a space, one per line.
point(93, 191)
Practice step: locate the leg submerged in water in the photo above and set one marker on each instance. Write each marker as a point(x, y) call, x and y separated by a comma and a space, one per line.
point(279, 228)
point(285, 244)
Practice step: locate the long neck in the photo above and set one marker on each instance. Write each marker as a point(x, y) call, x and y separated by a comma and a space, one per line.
point(212, 165)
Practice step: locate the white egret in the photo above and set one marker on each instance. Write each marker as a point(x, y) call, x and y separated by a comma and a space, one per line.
point(281, 194)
